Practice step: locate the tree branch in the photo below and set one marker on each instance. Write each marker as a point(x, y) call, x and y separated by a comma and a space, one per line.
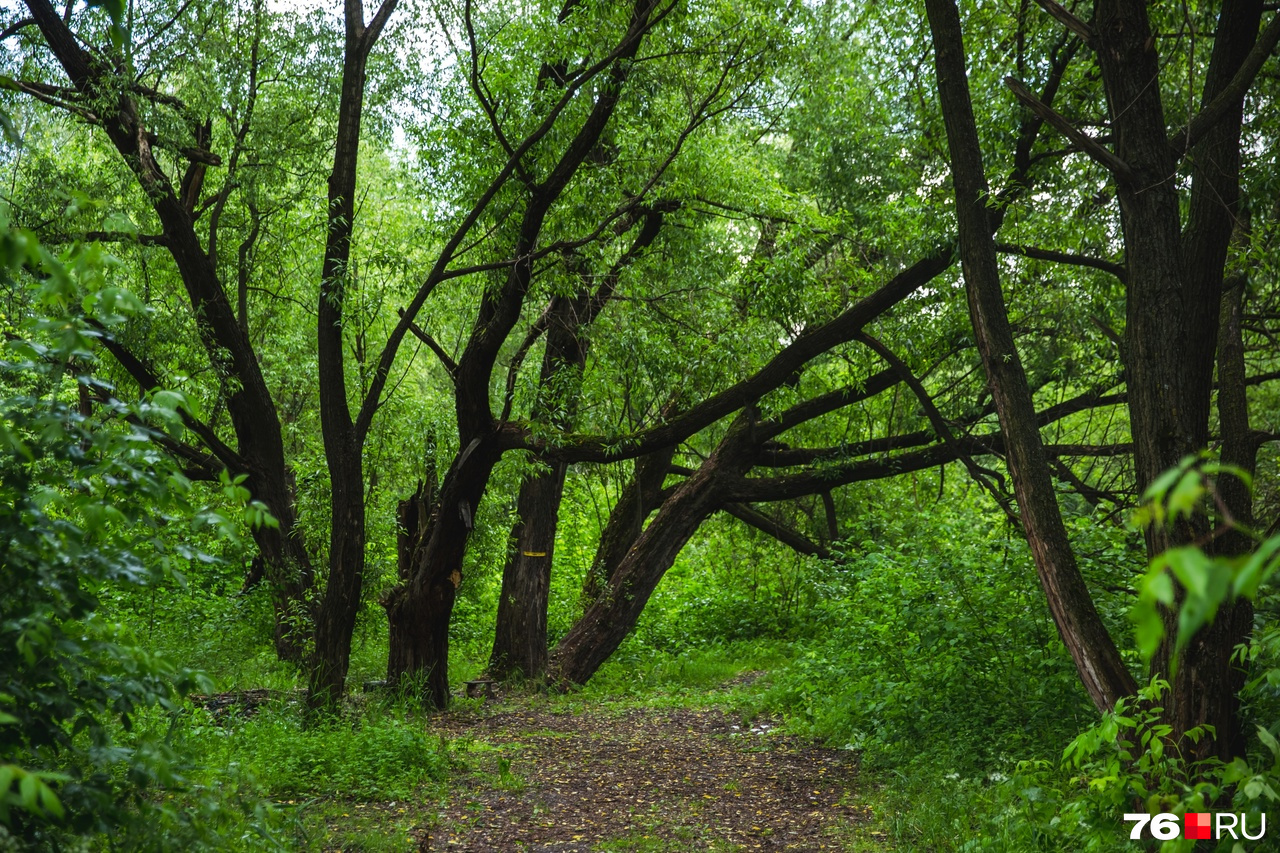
point(450, 366)
point(785, 534)
point(1069, 258)
point(1085, 143)
point(1184, 139)
point(1068, 20)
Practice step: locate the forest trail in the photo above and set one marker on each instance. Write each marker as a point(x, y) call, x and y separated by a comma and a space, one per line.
point(643, 779)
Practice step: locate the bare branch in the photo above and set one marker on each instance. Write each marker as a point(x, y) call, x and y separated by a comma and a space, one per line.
point(16, 27)
point(1068, 20)
point(939, 424)
point(450, 366)
point(785, 534)
point(1084, 142)
point(1069, 258)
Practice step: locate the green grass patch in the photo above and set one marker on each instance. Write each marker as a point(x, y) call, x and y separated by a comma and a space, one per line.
point(378, 754)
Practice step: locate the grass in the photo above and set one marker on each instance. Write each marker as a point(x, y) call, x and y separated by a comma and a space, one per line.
point(375, 779)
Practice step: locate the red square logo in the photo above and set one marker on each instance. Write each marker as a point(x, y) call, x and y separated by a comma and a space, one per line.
point(1195, 825)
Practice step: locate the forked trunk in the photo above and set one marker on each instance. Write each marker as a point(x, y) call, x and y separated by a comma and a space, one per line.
point(608, 621)
point(1175, 287)
point(420, 607)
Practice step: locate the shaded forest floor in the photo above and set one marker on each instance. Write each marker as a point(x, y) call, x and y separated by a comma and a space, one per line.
point(534, 774)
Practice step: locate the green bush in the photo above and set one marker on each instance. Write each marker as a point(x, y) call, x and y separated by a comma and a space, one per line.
point(948, 652)
point(84, 500)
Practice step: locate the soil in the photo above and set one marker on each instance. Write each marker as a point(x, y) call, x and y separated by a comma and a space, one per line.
point(642, 779)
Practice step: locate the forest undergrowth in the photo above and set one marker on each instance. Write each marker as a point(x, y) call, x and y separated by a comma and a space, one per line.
point(922, 656)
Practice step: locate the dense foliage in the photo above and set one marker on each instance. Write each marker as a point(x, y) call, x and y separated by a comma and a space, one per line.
point(912, 355)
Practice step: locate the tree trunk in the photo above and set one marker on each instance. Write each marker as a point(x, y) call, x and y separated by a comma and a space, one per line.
point(608, 621)
point(1174, 293)
point(641, 496)
point(1214, 648)
point(420, 607)
point(343, 443)
point(254, 419)
point(1097, 660)
point(520, 636)
point(1206, 686)
point(1159, 407)
point(418, 621)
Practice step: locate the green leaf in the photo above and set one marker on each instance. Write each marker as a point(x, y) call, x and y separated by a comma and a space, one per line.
point(1260, 566)
point(1186, 495)
point(29, 790)
point(50, 803)
point(1269, 741)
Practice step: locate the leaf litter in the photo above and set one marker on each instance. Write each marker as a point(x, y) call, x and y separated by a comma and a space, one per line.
point(642, 779)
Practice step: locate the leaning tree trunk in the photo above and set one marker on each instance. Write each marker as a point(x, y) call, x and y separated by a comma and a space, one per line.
point(640, 497)
point(608, 621)
point(254, 418)
point(1097, 660)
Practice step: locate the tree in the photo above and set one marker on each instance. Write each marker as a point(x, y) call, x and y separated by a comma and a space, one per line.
point(1174, 280)
point(103, 95)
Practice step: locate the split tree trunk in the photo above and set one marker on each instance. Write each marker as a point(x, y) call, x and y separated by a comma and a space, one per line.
point(1174, 294)
point(420, 607)
point(612, 616)
point(343, 442)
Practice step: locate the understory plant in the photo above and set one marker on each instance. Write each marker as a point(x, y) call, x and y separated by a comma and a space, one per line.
point(89, 503)
point(1126, 762)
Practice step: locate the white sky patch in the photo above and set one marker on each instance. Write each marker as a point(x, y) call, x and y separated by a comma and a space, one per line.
point(304, 6)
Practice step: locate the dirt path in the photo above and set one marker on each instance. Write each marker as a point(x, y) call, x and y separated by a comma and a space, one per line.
point(643, 780)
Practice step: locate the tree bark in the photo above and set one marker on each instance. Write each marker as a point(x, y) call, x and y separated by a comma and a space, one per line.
point(520, 635)
point(420, 607)
point(343, 443)
point(1206, 685)
point(1214, 648)
point(1174, 294)
point(640, 497)
point(610, 618)
point(1097, 660)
